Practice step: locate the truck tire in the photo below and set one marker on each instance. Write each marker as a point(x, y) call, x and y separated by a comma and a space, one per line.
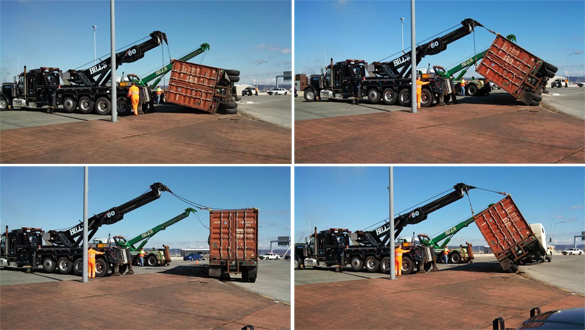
point(372, 264)
point(426, 98)
point(49, 264)
point(101, 267)
point(385, 265)
point(69, 104)
point(297, 264)
point(64, 265)
point(309, 95)
point(357, 263)
point(404, 97)
point(374, 95)
point(471, 90)
point(551, 67)
point(549, 73)
point(455, 258)
point(124, 107)
point(407, 265)
point(232, 72)
point(78, 267)
point(85, 104)
point(103, 106)
point(151, 260)
point(234, 79)
point(389, 96)
point(249, 274)
point(3, 103)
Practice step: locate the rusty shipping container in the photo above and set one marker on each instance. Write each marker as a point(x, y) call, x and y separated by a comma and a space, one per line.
point(516, 71)
point(200, 87)
point(233, 243)
point(509, 235)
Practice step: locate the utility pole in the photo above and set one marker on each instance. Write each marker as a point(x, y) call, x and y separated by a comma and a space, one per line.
point(94, 50)
point(391, 233)
point(402, 26)
point(574, 53)
point(85, 191)
point(113, 50)
point(413, 57)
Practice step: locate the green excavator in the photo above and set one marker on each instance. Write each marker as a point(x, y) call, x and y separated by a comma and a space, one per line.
point(153, 257)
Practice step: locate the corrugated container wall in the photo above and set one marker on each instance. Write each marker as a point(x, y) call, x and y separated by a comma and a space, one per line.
point(194, 86)
point(233, 235)
point(505, 230)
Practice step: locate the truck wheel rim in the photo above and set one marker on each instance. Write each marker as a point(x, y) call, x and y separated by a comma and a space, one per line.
point(102, 106)
point(387, 96)
point(68, 104)
point(84, 105)
point(3, 104)
point(310, 95)
point(48, 263)
point(370, 264)
point(62, 265)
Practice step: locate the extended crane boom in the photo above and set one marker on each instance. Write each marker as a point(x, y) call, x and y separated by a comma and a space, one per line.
point(72, 237)
point(120, 241)
point(380, 235)
point(446, 236)
point(99, 74)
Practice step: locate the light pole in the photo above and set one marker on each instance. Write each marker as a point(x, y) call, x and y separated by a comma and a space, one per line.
point(94, 52)
point(554, 237)
point(413, 97)
point(574, 53)
point(402, 26)
point(257, 71)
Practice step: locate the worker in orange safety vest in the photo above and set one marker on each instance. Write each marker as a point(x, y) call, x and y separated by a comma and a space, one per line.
point(462, 86)
point(398, 260)
point(446, 254)
point(91, 262)
point(419, 85)
point(134, 95)
point(158, 93)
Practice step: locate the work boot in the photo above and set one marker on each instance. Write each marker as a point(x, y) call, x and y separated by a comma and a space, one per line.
point(130, 272)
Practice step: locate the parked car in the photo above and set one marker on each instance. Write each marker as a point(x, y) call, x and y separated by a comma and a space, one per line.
point(572, 251)
point(270, 256)
point(277, 91)
point(249, 91)
point(558, 83)
point(580, 84)
point(192, 257)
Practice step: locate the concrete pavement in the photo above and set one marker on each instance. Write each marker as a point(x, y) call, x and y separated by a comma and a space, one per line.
point(153, 301)
point(179, 136)
point(274, 109)
point(495, 129)
point(566, 100)
point(565, 272)
point(459, 297)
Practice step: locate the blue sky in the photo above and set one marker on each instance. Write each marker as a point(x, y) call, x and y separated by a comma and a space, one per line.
point(60, 34)
point(371, 30)
point(52, 198)
point(357, 197)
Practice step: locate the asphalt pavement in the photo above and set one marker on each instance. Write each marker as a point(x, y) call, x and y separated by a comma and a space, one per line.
point(274, 109)
point(569, 101)
point(565, 272)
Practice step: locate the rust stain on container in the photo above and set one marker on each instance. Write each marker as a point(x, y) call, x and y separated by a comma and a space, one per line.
point(507, 232)
point(197, 86)
point(514, 69)
point(233, 242)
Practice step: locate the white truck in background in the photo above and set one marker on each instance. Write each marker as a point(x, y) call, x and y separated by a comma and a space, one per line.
point(538, 230)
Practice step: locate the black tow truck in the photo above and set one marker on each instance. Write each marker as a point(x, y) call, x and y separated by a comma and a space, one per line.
point(369, 250)
point(62, 250)
point(89, 89)
point(388, 82)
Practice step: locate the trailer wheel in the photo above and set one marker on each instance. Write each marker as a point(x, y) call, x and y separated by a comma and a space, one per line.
point(309, 95)
point(85, 104)
point(551, 67)
point(549, 73)
point(151, 260)
point(455, 258)
point(356, 263)
point(471, 90)
point(3, 103)
point(123, 106)
point(234, 78)
point(372, 264)
point(426, 98)
point(69, 104)
point(103, 106)
point(232, 72)
point(389, 96)
point(385, 265)
point(407, 265)
point(64, 265)
point(78, 267)
point(404, 97)
point(49, 264)
point(101, 267)
point(374, 95)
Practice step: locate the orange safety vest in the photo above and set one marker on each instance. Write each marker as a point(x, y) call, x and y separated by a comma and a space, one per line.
point(446, 251)
point(133, 91)
point(158, 91)
point(462, 83)
point(398, 252)
point(142, 253)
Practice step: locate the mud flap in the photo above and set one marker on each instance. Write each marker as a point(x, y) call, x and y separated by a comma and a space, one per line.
point(214, 271)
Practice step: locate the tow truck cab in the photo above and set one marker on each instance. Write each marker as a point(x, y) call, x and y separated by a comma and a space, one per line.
point(323, 249)
point(35, 88)
point(338, 82)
